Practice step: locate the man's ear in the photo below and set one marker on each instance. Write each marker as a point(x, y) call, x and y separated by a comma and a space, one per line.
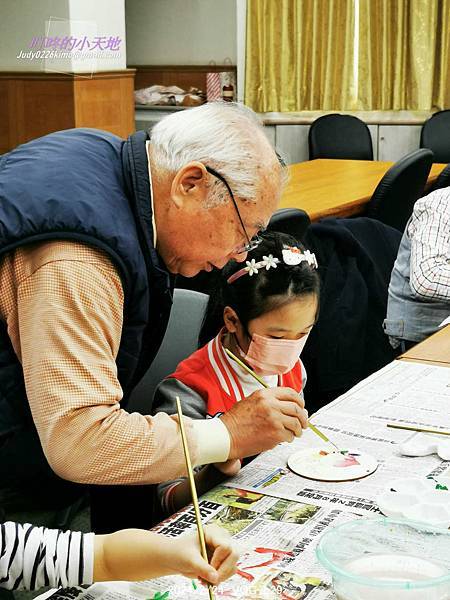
point(230, 319)
point(190, 184)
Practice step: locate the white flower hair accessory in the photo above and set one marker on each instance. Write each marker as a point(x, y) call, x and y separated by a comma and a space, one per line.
point(270, 261)
point(291, 256)
point(251, 267)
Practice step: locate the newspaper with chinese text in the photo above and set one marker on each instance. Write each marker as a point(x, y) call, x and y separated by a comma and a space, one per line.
point(277, 517)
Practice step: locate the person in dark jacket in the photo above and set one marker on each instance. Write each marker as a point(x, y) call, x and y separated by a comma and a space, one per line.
point(92, 230)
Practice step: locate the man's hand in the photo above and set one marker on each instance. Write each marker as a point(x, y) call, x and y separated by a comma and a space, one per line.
point(263, 420)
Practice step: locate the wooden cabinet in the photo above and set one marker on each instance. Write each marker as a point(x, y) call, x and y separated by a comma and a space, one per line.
point(33, 104)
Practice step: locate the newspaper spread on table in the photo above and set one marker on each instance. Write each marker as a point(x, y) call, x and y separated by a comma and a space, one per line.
point(277, 517)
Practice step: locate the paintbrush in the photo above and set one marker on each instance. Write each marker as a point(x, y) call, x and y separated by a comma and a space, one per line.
point(264, 384)
point(410, 428)
point(190, 472)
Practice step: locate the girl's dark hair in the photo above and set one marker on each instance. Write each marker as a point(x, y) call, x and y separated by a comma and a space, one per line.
point(253, 296)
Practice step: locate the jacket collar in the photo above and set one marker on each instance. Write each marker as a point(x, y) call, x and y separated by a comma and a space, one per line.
point(135, 167)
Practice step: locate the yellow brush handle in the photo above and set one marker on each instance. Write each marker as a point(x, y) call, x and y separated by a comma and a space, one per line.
point(318, 432)
point(421, 429)
point(190, 472)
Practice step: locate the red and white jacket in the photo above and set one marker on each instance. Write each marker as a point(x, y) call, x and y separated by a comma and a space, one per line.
point(220, 382)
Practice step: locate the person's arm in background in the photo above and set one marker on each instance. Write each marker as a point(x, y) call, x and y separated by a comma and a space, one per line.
point(175, 494)
point(429, 232)
point(33, 557)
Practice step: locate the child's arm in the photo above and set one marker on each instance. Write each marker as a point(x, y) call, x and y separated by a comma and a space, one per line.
point(134, 554)
point(174, 497)
point(176, 494)
point(164, 399)
point(32, 557)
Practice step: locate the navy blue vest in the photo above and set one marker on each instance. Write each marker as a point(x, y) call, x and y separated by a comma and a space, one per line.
point(90, 186)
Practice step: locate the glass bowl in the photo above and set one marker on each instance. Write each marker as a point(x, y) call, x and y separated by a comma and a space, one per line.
point(388, 559)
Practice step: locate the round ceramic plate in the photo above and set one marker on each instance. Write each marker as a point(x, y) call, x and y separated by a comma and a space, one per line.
point(322, 465)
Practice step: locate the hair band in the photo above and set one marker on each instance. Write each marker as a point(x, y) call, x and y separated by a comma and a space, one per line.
point(291, 256)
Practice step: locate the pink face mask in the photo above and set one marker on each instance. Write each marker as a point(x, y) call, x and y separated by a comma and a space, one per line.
point(268, 356)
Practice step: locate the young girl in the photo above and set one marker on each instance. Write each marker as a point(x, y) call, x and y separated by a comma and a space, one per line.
point(265, 310)
point(32, 557)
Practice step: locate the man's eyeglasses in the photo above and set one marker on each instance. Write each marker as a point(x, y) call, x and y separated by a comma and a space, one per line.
point(251, 243)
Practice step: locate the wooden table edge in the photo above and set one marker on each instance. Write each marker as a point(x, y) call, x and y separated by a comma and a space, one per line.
point(438, 363)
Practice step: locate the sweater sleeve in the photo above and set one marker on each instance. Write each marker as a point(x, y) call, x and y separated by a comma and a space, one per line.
point(193, 404)
point(33, 557)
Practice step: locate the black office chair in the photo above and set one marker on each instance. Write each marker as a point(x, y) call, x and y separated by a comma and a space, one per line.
point(340, 136)
point(435, 135)
point(394, 197)
point(292, 221)
point(443, 180)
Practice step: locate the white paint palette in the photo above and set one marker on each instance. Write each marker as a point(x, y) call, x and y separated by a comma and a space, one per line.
point(321, 464)
point(422, 500)
point(423, 444)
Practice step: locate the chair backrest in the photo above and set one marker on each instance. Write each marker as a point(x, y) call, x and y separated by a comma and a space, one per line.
point(394, 197)
point(443, 179)
point(340, 136)
point(435, 135)
point(293, 221)
point(180, 340)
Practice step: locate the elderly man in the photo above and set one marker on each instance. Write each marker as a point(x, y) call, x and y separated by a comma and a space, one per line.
point(92, 230)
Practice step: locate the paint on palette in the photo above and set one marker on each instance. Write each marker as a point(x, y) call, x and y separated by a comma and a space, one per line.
point(349, 460)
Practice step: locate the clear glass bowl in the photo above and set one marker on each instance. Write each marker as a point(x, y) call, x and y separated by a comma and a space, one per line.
point(388, 559)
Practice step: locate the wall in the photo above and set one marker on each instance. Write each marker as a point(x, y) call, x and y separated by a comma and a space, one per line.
point(109, 19)
point(22, 20)
point(19, 23)
point(180, 32)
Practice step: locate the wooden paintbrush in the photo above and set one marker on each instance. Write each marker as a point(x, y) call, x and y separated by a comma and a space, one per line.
point(264, 384)
point(422, 429)
point(190, 472)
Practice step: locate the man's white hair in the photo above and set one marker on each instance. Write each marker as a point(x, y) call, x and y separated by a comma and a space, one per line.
point(225, 136)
